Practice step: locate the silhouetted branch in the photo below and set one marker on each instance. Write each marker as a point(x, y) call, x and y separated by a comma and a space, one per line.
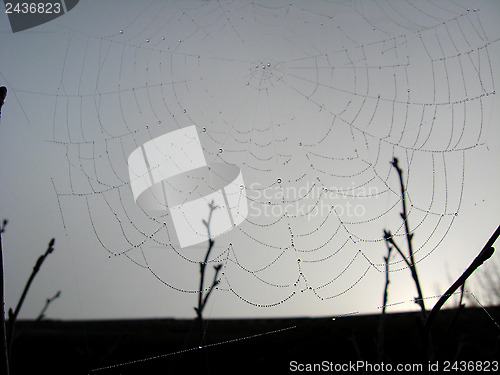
point(13, 314)
point(409, 260)
point(386, 289)
point(215, 282)
point(202, 299)
point(390, 240)
point(48, 301)
point(488, 283)
point(3, 95)
point(3, 331)
point(4, 224)
point(381, 327)
point(484, 255)
point(427, 321)
point(409, 237)
point(446, 335)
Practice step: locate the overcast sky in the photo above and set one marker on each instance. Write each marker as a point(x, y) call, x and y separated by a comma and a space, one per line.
point(310, 100)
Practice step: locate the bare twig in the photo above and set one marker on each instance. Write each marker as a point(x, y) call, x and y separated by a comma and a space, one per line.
point(409, 260)
point(13, 314)
point(202, 299)
point(409, 237)
point(390, 240)
point(488, 283)
point(3, 331)
point(484, 255)
point(381, 327)
point(426, 321)
point(48, 301)
point(387, 282)
point(215, 282)
point(447, 334)
point(3, 94)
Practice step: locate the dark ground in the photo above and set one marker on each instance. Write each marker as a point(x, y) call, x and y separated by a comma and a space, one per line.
point(263, 346)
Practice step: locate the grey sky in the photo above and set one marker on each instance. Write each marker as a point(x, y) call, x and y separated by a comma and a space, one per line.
point(312, 100)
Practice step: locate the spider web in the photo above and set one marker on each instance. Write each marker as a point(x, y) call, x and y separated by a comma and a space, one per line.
point(311, 100)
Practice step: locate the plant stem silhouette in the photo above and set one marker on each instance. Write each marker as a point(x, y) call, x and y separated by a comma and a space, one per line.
point(3, 95)
point(410, 263)
point(484, 255)
point(3, 331)
point(13, 314)
point(410, 260)
point(427, 319)
point(202, 297)
point(48, 301)
point(381, 327)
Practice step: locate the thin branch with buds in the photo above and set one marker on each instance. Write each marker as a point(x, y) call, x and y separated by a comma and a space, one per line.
point(14, 313)
point(427, 319)
point(203, 298)
point(389, 238)
point(48, 301)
